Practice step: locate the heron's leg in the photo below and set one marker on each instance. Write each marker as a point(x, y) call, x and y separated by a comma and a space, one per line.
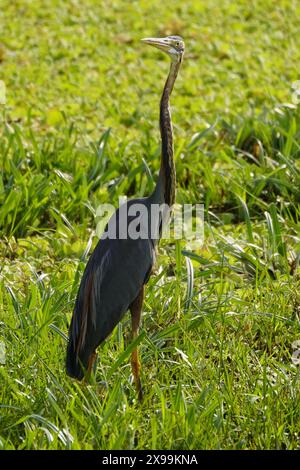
point(136, 310)
point(91, 364)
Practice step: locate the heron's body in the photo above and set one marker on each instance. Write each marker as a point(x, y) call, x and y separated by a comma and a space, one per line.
point(119, 267)
point(108, 287)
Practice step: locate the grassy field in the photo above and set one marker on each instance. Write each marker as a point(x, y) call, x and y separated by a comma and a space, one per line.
point(79, 128)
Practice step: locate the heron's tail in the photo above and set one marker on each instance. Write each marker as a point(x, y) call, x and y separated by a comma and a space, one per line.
point(81, 344)
point(74, 365)
point(77, 361)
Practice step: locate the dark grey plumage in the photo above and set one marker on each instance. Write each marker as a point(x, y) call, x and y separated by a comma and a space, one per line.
point(111, 281)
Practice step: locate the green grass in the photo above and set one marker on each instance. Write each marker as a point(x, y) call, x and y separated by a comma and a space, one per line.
point(79, 129)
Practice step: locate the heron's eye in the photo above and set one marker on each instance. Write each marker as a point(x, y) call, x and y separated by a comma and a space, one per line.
point(177, 44)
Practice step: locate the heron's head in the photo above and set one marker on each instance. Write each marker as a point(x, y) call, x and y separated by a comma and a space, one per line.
point(172, 45)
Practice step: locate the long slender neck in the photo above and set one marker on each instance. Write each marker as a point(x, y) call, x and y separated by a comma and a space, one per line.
point(165, 188)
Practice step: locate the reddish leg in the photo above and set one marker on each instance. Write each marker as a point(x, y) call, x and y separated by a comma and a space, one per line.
point(90, 366)
point(136, 310)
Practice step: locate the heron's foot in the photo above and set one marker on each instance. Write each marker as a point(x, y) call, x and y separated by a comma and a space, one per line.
point(139, 390)
point(136, 366)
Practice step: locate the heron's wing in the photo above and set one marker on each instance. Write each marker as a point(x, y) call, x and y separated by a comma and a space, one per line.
point(114, 275)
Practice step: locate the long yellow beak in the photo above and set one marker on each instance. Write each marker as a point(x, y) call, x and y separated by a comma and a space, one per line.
point(161, 43)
